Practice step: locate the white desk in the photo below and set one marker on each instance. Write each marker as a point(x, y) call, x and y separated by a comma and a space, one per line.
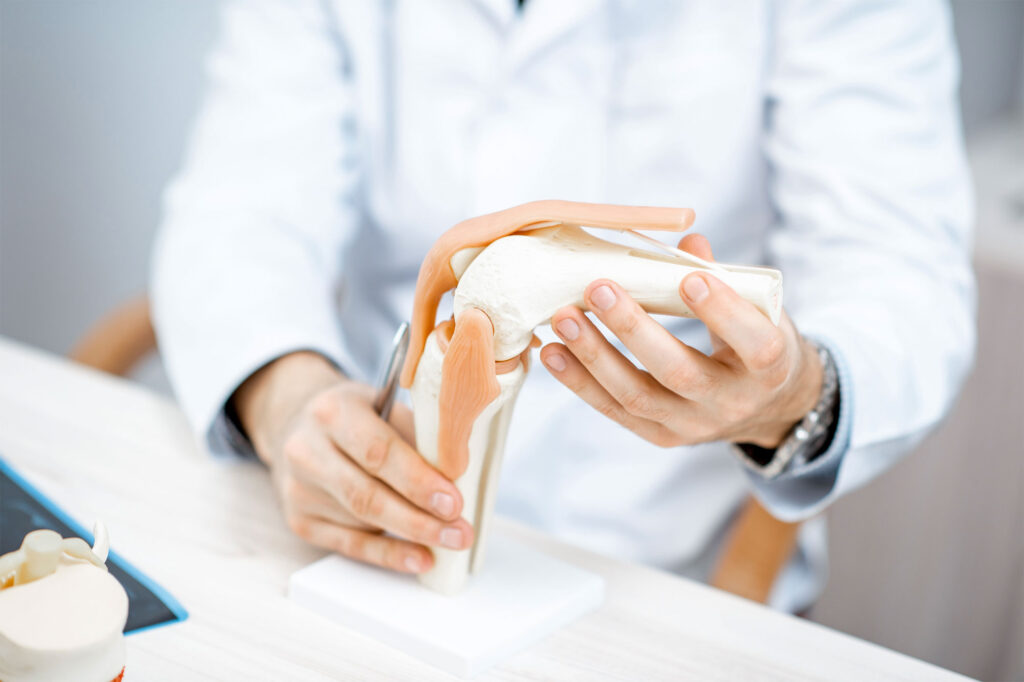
point(209, 531)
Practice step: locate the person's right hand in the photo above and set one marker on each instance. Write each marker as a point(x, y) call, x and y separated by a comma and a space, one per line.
point(343, 475)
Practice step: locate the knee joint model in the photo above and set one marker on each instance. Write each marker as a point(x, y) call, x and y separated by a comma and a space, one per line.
point(511, 271)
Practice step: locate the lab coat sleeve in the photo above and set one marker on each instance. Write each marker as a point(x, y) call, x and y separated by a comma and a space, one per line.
point(874, 207)
point(246, 259)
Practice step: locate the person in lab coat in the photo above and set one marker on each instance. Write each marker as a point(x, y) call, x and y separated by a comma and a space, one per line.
point(338, 140)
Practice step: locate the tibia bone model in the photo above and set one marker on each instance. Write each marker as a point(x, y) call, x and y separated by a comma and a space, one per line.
point(511, 271)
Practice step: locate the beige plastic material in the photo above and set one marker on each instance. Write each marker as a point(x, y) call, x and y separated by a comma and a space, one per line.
point(515, 283)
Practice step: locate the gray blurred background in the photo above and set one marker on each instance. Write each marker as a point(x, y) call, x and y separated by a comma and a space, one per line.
point(96, 98)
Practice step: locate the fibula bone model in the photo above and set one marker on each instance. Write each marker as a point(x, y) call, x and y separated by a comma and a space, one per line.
point(511, 271)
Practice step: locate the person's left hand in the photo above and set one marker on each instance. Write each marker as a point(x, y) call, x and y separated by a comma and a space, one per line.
point(759, 381)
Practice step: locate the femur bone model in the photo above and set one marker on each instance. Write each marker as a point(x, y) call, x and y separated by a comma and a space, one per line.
point(511, 271)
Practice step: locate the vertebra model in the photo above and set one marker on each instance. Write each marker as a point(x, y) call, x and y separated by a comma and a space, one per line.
point(62, 614)
point(511, 271)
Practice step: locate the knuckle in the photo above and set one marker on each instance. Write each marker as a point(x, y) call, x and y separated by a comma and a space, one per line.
point(749, 405)
point(686, 439)
point(293, 492)
point(578, 384)
point(364, 502)
point(423, 530)
point(394, 556)
point(635, 402)
point(420, 481)
point(610, 409)
point(376, 456)
point(297, 451)
point(325, 407)
point(769, 354)
point(734, 414)
point(639, 403)
point(351, 544)
point(629, 324)
point(427, 478)
point(701, 435)
point(586, 352)
point(777, 374)
point(298, 524)
point(664, 438)
point(735, 407)
point(701, 431)
point(682, 377)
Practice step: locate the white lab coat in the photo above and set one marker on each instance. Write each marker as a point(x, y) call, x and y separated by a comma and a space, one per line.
point(339, 139)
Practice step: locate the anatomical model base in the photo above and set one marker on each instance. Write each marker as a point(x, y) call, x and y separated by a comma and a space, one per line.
point(62, 615)
point(511, 271)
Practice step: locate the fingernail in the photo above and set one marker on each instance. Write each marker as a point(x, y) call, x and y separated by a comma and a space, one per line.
point(451, 538)
point(696, 288)
point(556, 362)
point(443, 503)
point(603, 297)
point(568, 329)
point(412, 564)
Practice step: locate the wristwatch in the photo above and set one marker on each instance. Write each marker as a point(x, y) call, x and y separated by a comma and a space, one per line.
point(809, 438)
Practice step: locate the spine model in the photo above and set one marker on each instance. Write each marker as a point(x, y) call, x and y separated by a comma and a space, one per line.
point(511, 271)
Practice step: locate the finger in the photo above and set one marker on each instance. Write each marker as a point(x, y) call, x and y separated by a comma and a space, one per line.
point(683, 370)
point(372, 502)
point(632, 388)
point(698, 245)
point(716, 343)
point(307, 499)
point(759, 344)
point(383, 453)
point(571, 372)
point(372, 548)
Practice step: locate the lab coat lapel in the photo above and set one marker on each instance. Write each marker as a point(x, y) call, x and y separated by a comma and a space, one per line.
point(539, 25)
point(501, 12)
point(544, 23)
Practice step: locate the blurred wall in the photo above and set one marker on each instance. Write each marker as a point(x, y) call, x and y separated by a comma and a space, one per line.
point(989, 33)
point(95, 100)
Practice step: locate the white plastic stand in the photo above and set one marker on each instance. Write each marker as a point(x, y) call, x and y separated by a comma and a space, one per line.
point(520, 596)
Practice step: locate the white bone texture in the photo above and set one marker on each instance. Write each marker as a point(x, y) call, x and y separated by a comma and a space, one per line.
point(519, 282)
